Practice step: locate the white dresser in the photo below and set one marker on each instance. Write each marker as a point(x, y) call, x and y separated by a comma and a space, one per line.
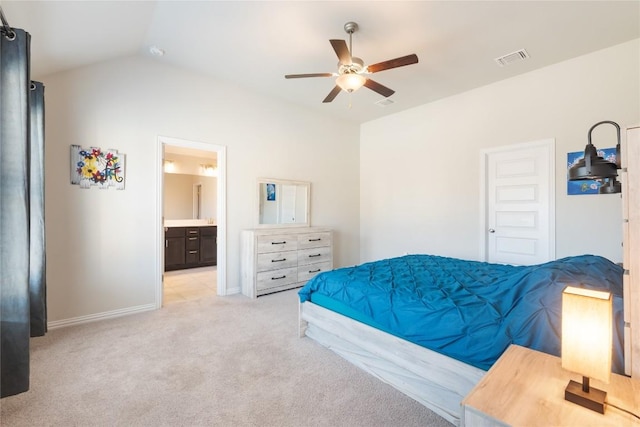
point(276, 259)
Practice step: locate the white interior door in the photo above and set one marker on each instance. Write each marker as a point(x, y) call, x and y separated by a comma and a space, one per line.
point(519, 196)
point(288, 204)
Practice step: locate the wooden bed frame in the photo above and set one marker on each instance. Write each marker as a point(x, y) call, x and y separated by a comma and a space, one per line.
point(436, 381)
point(440, 382)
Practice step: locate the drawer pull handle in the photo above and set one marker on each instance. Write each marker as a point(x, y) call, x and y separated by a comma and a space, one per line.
point(315, 240)
point(315, 255)
point(193, 232)
point(279, 243)
point(314, 271)
point(193, 252)
point(193, 238)
point(278, 260)
point(278, 278)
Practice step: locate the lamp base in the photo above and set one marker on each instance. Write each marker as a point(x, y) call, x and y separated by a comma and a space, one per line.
point(594, 399)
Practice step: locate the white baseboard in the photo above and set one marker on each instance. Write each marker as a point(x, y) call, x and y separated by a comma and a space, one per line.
point(233, 291)
point(100, 316)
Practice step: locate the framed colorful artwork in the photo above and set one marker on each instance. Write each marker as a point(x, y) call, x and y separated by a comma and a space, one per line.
point(96, 167)
point(586, 186)
point(271, 192)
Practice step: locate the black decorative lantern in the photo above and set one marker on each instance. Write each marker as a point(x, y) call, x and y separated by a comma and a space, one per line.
point(593, 166)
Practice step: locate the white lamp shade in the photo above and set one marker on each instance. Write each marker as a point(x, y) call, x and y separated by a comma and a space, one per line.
point(351, 81)
point(587, 321)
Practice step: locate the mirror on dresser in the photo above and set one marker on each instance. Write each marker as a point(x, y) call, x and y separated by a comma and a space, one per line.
point(283, 203)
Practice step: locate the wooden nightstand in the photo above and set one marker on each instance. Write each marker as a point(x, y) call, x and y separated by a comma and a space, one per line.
point(526, 388)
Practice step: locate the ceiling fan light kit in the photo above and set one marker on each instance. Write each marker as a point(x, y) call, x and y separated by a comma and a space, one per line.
point(352, 73)
point(351, 82)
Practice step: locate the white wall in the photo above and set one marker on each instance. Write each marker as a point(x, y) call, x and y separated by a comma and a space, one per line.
point(420, 169)
point(187, 165)
point(101, 244)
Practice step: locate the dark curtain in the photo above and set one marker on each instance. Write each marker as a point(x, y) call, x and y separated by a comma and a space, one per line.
point(22, 244)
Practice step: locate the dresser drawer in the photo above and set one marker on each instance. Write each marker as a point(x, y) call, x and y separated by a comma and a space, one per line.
point(275, 278)
point(277, 243)
point(314, 240)
point(192, 256)
point(193, 243)
point(193, 231)
point(277, 260)
point(306, 272)
point(314, 255)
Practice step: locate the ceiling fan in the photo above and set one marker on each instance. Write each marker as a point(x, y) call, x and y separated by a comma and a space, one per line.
point(352, 73)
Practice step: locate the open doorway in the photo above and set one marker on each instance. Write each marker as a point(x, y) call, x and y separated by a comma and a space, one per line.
point(198, 160)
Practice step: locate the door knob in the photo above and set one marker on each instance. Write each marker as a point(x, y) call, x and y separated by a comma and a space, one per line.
point(491, 230)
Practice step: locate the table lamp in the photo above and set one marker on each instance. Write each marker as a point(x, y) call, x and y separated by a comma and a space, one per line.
point(586, 343)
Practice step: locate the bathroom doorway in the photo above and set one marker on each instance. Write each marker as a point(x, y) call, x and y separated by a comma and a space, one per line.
point(200, 165)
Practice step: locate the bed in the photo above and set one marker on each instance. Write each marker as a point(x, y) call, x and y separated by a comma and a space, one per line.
point(431, 326)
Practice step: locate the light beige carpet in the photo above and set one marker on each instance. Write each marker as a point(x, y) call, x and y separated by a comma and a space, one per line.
point(218, 361)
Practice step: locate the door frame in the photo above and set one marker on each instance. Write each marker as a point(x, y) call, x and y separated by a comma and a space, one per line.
point(221, 210)
point(550, 144)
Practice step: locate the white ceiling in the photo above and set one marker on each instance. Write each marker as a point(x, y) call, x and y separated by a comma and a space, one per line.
point(255, 43)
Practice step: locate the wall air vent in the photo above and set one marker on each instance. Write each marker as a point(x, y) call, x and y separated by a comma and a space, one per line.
point(512, 57)
point(384, 102)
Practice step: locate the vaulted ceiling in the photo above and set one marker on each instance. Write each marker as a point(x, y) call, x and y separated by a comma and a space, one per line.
point(253, 44)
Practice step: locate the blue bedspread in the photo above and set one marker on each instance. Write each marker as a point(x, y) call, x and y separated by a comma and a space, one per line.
point(470, 311)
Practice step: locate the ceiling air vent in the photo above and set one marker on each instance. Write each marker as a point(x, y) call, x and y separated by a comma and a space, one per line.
point(512, 57)
point(384, 102)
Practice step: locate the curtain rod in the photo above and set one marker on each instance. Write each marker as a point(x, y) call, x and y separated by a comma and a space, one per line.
point(6, 29)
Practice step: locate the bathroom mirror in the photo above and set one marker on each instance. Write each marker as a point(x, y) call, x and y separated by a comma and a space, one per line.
point(283, 203)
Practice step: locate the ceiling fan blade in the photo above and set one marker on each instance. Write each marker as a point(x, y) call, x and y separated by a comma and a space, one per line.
point(334, 92)
point(300, 76)
point(393, 63)
point(377, 87)
point(340, 46)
